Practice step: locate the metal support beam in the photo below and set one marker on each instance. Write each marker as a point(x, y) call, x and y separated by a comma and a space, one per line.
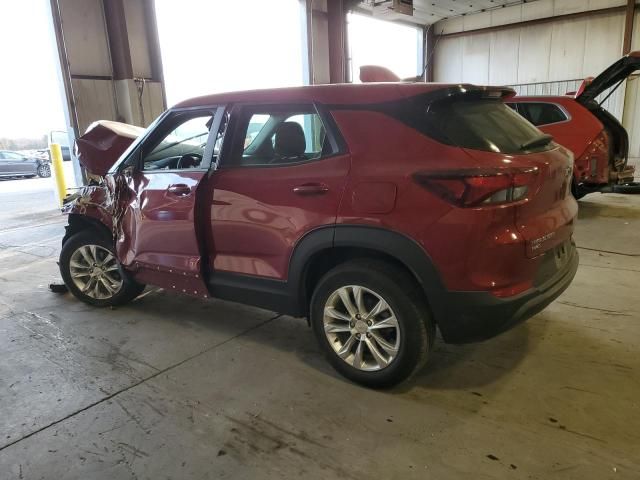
point(429, 52)
point(118, 38)
point(337, 29)
point(66, 89)
point(628, 26)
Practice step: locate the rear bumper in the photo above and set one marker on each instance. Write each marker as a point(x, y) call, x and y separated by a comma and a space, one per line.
point(475, 316)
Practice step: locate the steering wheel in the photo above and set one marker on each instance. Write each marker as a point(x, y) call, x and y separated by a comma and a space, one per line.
point(189, 160)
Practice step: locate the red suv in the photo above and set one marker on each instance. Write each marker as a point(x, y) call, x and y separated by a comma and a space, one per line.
point(379, 211)
point(598, 140)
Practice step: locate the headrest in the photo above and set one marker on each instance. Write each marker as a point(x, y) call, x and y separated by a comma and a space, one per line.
point(289, 140)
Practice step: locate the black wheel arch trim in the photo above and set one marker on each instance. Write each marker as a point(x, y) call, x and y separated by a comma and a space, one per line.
point(290, 297)
point(386, 241)
point(78, 222)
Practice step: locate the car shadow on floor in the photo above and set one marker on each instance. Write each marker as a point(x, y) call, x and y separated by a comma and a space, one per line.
point(450, 366)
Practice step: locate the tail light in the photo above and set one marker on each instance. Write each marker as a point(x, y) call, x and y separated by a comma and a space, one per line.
point(594, 161)
point(478, 187)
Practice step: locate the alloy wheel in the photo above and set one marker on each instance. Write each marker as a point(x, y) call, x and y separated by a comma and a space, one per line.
point(361, 328)
point(44, 170)
point(94, 271)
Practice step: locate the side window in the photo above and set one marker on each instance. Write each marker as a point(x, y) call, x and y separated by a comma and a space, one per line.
point(541, 113)
point(182, 147)
point(277, 136)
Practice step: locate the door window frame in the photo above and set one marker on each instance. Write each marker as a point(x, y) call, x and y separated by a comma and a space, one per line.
point(132, 157)
point(234, 133)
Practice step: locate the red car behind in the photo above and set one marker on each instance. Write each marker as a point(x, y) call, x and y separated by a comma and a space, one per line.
point(597, 139)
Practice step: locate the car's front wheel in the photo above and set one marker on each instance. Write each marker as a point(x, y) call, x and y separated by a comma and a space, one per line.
point(44, 170)
point(372, 322)
point(92, 273)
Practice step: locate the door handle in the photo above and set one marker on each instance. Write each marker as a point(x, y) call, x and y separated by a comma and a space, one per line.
point(311, 189)
point(179, 189)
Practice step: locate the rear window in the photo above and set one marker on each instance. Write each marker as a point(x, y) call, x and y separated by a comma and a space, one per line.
point(541, 113)
point(480, 124)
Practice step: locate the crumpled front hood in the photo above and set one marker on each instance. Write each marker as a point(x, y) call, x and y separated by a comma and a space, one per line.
point(103, 143)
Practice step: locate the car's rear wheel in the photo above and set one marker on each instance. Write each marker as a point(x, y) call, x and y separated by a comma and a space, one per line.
point(92, 273)
point(372, 322)
point(44, 170)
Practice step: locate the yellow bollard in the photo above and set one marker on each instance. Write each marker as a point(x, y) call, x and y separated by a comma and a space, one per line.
point(58, 171)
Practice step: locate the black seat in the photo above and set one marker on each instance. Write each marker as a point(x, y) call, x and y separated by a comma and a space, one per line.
point(289, 143)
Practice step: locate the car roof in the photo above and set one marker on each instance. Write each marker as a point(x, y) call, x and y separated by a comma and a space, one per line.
point(336, 94)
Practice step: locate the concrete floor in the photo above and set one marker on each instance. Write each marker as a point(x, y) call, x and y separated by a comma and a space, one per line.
point(171, 387)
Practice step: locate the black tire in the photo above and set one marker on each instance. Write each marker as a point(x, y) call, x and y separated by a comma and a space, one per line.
point(44, 170)
point(577, 190)
point(631, 188)
point(129, 288)
point(402, 293)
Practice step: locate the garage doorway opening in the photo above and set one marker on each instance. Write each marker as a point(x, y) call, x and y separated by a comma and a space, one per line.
point(211, 47)
point(395, 46)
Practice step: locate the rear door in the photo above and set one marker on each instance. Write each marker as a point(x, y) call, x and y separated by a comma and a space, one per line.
point(282, 174)
point(159, 190)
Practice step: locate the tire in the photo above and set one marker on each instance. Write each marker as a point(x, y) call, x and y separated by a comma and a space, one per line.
point(113, 287)
point(628, 188)
point(411, 337)
point(44, 170)
point(576, 190)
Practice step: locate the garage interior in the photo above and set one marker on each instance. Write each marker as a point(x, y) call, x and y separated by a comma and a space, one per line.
point(172, 387)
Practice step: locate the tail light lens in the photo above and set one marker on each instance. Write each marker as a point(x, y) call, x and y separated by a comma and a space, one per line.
point(478, 187)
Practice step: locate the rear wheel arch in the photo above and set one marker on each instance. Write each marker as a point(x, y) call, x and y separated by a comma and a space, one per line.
point(323, 249)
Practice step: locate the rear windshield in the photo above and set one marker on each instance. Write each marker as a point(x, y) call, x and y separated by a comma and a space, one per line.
point(480, 124)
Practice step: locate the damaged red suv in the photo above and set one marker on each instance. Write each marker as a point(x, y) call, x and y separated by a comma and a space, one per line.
point(378, 211)
point(578, 121)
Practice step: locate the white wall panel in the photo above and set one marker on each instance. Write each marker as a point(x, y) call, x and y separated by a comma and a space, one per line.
point(93, 100)
point(537, 9)
point(86, 42)
point(448, 60)
point(631, 119)
point(476, 53)
point(503, 67)
point(567, 49)
point(522, 12)
point(596, 4)
point(479, 20)
point(564, 7)
point(603, 42)
point(503, 16)
point(533, 58)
